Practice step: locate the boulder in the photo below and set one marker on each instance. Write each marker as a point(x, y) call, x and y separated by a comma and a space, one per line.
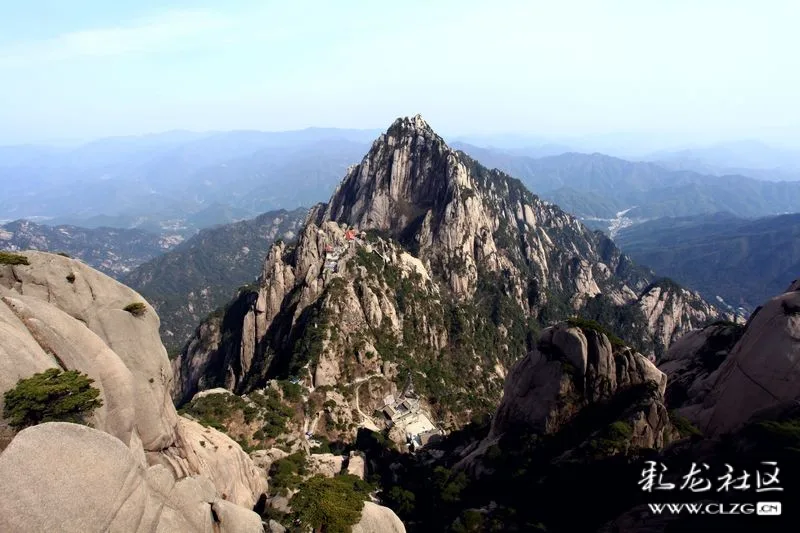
point(220, 459)
point(264, 458)
point(97, 302)
point(378, 519)
point(275, 527)
point(691, 363)
point(356, 465)
point(762, 370)
point(56, 340)
point(568, 369)
point(325, 464)
point(49, 321)
point(98, 485)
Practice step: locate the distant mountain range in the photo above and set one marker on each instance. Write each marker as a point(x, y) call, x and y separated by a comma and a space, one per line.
point(749, 158)
point(598, 188)
point(192, 280)
point(112, 251)
point(742, 261)
point(178, 181)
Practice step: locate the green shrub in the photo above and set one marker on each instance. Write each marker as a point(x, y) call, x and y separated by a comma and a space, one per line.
point(682, 424)
point(71, 277)
point(287, 473)
point(7, 258)
point(136, 308)
point(292, 392)
point(332, 504)
point(51, 396)
point(214, 410)
point(274, 413)
point(591, 325)
point(401, 500)
point(614, 438)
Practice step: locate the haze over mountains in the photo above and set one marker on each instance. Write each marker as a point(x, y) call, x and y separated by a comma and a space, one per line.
point(597, 187)
point(176, 182)
point(200, 275)
point(179, 182)
point(170, 186)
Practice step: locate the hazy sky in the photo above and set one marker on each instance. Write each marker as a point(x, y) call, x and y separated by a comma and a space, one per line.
point(701, 69)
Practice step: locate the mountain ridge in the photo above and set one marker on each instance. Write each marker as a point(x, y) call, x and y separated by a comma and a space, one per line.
point(457, 270)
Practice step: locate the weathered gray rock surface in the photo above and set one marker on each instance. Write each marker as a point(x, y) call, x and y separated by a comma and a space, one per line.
point(59, 313)
point(569, 369)
point(761, 371)
point(378, 519)
point(71, 478)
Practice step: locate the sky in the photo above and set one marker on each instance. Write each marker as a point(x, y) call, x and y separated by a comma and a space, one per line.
point(682, 70)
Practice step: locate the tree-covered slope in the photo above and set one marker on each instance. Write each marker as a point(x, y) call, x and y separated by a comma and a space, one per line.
point(742, 261)
point(201, 274)
point(112, 251)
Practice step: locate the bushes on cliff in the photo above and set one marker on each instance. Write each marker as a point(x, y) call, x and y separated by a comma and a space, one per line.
point(136, 308)
point(332, 505)
point(214, 410)
point(7, 258)
point(51, 396)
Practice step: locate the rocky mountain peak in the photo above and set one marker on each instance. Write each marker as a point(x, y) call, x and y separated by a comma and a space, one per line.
point(415, 125)
point(408, 171)
point(452, 270)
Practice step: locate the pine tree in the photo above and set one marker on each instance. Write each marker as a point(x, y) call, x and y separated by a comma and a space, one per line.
point(51, 396)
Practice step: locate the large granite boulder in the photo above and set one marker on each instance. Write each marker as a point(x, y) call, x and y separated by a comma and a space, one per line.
point(378, 519)
point(569, 368)
point(57, 312)
point(761, 371)
point(72, 478)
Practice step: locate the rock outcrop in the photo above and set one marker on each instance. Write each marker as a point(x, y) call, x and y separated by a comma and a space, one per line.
point(570, 368)
point(57, 312)
point(378, 519)
point(71, 478)
point(324, 464)
point(761, 371)
point(692, 362)
point(672, 311)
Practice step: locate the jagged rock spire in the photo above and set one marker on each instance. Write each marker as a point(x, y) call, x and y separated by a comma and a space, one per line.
point(415, 124)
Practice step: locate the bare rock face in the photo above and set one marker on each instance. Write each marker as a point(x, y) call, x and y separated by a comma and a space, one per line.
point(378, 519)
point(97, 301)
point(356, 466)
point(672, 311)
point(569, 368)
point(325, 464)
point(263, 459)
point(98, 485)
point(58, 313)
point(761, 371)
point(221, 459)
point(693, 361)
